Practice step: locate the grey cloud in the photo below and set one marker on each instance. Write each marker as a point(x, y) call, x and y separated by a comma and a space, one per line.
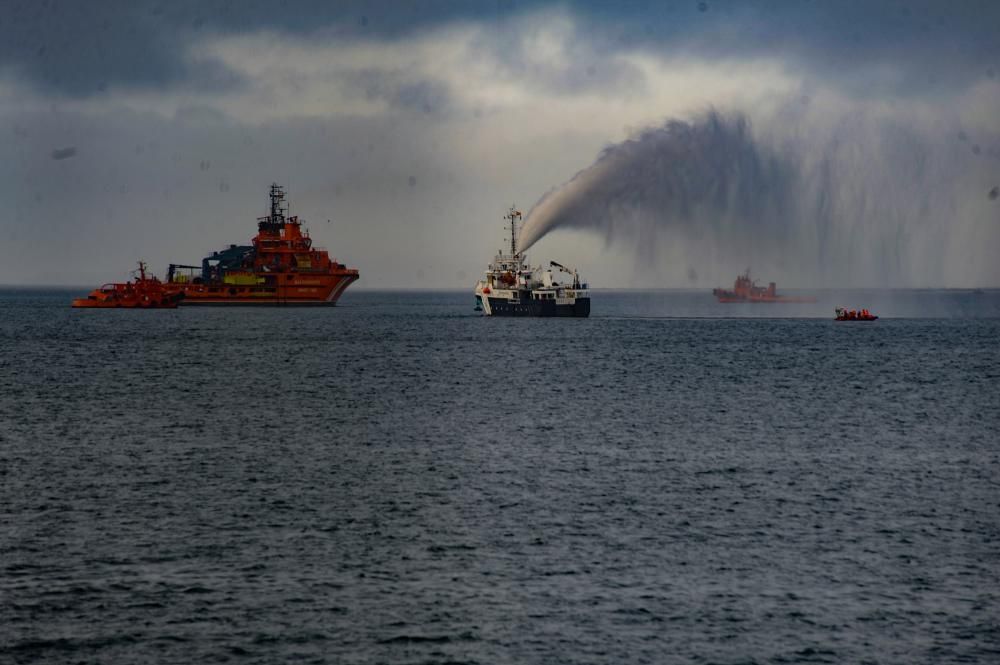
point(869, 48)
point(65, 47)
point(590, 65)
point(80, 49)
point(400, 90)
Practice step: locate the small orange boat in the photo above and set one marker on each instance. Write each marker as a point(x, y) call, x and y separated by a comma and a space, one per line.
point(746, 290)
point(854, 315)
point(144, 292)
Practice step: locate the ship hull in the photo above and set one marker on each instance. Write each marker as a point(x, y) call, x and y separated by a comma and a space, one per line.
point(543, 308)
point(305, 291)
point(775, 299)
point(138, 303)
point(259, 302)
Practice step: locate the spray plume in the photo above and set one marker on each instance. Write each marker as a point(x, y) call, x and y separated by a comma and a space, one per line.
point(862, 202)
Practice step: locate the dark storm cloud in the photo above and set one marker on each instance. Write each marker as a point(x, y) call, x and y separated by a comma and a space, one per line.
point(868, 47)
point(77, 48)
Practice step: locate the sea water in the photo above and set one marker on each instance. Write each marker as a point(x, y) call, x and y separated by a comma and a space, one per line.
point(400, 479)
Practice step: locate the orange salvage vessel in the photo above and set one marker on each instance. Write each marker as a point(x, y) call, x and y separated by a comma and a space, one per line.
point(145, 292)
point(746, 290)
point(280, 267)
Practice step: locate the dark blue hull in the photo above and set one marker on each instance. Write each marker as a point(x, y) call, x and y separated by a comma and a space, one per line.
point(503, 307)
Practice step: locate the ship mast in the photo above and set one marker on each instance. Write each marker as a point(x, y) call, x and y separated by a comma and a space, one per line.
point(278, 206)
point(513, 215)
point(275, 222)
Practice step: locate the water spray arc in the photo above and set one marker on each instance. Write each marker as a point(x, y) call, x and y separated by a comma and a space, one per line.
point(862, 203)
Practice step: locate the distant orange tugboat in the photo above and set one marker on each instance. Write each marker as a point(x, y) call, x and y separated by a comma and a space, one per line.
point(746, 290)
point(144, 292)
point(281, 267)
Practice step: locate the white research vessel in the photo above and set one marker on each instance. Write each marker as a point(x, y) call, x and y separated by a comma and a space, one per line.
point(511, 287)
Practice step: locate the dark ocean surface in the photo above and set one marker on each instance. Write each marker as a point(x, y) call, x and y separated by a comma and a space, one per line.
point(400, 480)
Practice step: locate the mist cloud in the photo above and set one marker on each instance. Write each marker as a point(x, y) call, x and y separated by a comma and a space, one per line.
point(855, 201)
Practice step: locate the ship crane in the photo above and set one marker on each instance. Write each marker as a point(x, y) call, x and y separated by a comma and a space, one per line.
point(568, 271)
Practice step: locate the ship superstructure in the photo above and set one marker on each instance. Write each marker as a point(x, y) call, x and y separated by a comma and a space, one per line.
point(279, 267)
point(512, 287)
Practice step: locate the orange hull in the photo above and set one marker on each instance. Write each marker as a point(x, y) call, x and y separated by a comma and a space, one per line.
point(281, 289)
point(785, 299)
point(96, 302)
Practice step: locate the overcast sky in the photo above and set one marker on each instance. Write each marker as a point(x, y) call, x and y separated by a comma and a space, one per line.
point(403, 130)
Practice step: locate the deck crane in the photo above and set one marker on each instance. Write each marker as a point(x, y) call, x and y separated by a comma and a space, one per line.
point(568, 271)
